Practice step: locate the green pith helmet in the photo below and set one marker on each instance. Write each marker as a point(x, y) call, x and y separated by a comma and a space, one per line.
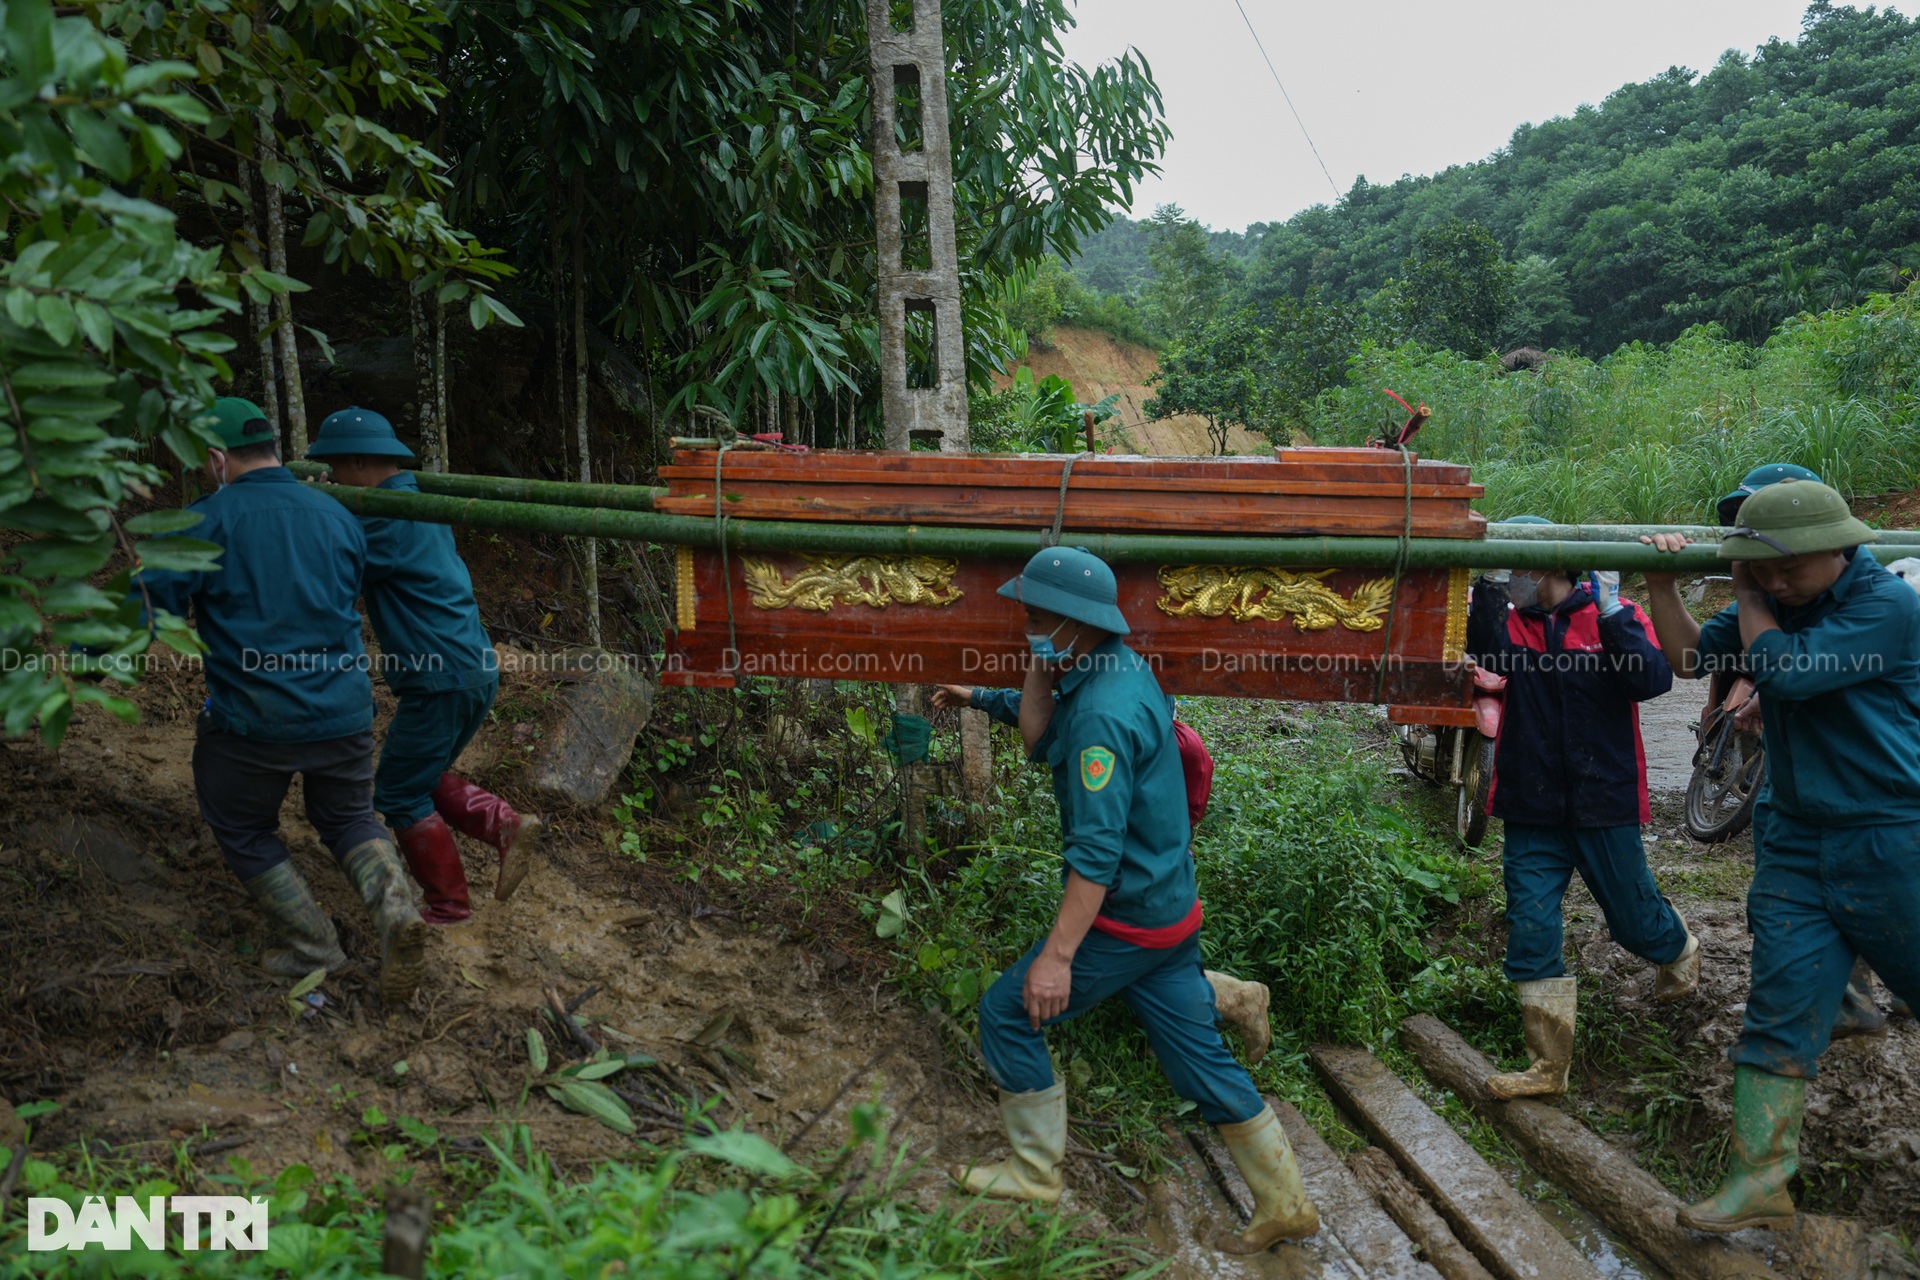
point(1728, 508)
point(1794, 520)
point(1073, 583)
point(357, 432)
point(239, 423)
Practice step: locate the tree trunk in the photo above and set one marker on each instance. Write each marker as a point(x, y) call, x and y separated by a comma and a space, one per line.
point(440, 384)
point(283, 303)
point(557, 256)
point(580, 392)
point(430, 449)
point(261, 313)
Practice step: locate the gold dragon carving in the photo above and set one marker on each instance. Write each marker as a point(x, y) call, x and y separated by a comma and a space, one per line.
point(877, 581)
point(1249, 593)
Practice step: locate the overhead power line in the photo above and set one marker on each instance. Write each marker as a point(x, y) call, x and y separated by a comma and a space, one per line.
point(1289, 97)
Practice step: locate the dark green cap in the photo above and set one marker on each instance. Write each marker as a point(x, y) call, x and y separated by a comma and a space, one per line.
point(1728, 508)
point(239, 423)
point(1073, 583)
point(1794, 520)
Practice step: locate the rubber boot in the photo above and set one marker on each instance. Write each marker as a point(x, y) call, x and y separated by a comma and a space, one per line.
point(1679, 977)
point(1763, 1155)
point(434, 860)
point(1859, 1015)
point(1901, 1009)
point(375, 870)
point(300, 923)
point(1547, 1009)
point(476, 812)
point(1243, 1005)
point(1037, 1130)
point(1281, 1208)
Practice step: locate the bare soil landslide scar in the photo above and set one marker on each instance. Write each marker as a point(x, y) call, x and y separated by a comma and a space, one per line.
point(1388, 634)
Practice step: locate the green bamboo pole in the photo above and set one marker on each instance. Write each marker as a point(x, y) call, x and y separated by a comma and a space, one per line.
point(619, 497)
point(1634, 532)
point(1015, 544)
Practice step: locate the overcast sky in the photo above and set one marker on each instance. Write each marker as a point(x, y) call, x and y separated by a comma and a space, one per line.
point(1386, 87)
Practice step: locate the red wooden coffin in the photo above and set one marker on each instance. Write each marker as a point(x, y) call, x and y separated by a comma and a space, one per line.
point(1348, 492)
point(1298, 632)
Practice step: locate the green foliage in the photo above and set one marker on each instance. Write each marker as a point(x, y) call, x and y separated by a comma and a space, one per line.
point(1188, 277)
point(1036, 416)
point(1213, 370)
point(1455, 290)
point(721, 1204)
point(1675, 202)
point(1649, 435)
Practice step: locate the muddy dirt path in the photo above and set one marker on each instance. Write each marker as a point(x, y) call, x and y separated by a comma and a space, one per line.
point(1666, 729)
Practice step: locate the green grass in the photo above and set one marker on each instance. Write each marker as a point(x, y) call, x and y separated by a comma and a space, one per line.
point(1656, 435)
point(721, 1205)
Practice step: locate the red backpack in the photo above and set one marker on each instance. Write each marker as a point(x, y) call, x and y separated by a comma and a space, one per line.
point(1197, 765)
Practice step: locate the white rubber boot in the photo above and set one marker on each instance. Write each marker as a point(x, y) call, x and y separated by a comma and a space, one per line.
point(1281, 1208)
point(1243, 1006)
point(1037, 1130)
point(1547, 1009)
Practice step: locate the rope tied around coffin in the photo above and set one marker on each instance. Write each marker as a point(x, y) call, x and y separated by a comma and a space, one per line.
point(1051, 538)
point(720, 534)
point(1399, 571)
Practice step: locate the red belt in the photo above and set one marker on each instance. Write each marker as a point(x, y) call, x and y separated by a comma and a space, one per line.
point(1160, 939)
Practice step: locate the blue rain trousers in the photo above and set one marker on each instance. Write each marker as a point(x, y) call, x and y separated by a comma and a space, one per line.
point(428, 733)
point(1821, 895)
point(1539, 864)
point(1166, 988)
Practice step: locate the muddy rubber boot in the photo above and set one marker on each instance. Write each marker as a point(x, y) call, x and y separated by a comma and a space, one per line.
point(1679, 977)
point(1281, 1208)
point(476, 812)
point(1243, 1005)
point(374, 868)
point(434, 860)
point(1763, 1155)
point(1901, 1009)
point(1037, 1130)
point(300, 924)
point(1547, 1009)
point(1859, 1015)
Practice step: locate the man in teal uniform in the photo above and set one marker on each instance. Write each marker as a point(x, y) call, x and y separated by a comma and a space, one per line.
point(1129, 919)
point(287, 694)
point(437, 659)
point(1832, 641)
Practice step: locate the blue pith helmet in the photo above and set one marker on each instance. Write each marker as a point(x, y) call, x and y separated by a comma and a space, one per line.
point(1728, 508)
point(357, 431)
point(1526, 520)
point(1073, 583)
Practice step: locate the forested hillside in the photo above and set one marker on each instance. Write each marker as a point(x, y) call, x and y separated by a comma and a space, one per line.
point(1774, 183)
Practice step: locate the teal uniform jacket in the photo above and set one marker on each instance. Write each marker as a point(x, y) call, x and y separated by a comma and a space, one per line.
point(1839, 698)
point(1123, 797)
point(284, 659)
point(420, 600)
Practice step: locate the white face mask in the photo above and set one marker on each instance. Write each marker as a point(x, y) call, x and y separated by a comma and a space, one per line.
point(1523, 592)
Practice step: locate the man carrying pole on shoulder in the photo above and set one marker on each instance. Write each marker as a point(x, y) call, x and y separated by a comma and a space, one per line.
point(1129, 918)
point(1832, 641)
point(437, 659)
point(287, 693)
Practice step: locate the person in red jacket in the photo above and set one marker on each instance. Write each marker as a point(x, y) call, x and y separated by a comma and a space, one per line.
point(1570, 785)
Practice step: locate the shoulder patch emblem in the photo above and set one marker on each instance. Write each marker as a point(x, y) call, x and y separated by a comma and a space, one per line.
point(1096, 768)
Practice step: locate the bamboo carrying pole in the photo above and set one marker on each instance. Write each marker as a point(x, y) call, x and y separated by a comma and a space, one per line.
point(554, 493)
point(1017, 544)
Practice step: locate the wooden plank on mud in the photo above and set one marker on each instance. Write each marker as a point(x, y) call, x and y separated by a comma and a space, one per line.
point(1376, 1242)
point(1605, 1180)
point(1491, 1218)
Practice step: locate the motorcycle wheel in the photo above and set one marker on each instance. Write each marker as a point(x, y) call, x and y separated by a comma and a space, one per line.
point(1471, 821)
point(1720, 795)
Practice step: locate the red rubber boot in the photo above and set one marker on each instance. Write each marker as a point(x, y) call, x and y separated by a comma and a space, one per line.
point(476, 812)
point(430, 855)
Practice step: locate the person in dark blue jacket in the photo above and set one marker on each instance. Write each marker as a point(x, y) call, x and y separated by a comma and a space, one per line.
point(436, 658)
point(287, 693)
point(1570, 786)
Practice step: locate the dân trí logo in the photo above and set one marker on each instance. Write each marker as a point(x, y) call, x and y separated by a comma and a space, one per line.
point(229, 1222)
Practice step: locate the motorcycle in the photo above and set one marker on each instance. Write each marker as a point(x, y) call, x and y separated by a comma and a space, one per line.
point(1461, 756)
point(1729, 766)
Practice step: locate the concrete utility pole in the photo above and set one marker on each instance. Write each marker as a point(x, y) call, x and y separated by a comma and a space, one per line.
point(913, 185)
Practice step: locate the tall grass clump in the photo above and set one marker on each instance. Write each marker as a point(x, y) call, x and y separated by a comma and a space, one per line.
point(1657, 434)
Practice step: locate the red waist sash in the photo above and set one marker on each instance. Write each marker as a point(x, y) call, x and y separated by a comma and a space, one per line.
point(1160, 939)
